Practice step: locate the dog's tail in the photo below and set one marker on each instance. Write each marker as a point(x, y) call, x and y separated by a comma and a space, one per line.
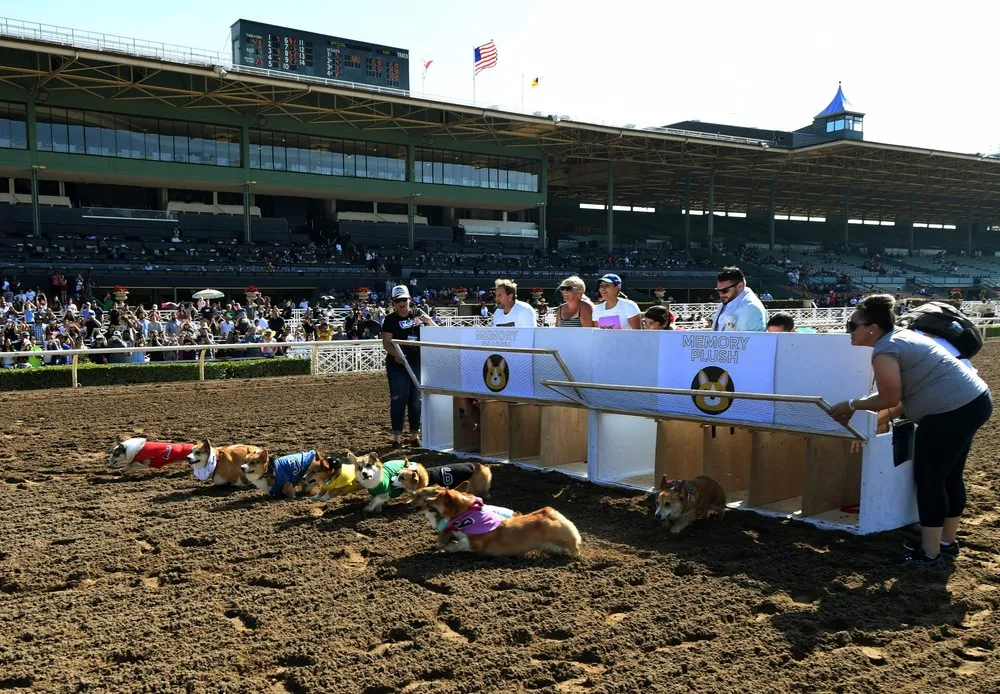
point(570, 544)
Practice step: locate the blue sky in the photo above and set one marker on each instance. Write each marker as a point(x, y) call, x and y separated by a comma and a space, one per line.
point(922, 76)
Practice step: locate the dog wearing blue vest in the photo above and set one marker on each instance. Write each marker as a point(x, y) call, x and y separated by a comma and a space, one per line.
point(280, 476)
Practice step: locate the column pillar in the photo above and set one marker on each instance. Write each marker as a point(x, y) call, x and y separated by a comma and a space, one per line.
point(611, 205)
point(913, 204)
point(847, 217)
point(770, 214)
point(247, 203)
point(36, 219)
point(543, 183)
point(968, 232)
point(410, 212)
point(542, 234)
point(687, 211)
point(410, 164)
point(711, 208)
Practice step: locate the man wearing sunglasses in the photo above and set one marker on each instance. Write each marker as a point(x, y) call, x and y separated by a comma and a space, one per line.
point(740, 309)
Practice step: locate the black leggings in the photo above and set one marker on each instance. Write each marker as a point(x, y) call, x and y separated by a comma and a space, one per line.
point(942, 444)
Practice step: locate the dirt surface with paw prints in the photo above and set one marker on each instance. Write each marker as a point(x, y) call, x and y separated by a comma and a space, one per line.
point(156, 582)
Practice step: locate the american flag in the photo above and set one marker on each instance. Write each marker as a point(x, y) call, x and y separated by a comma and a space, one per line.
point(486, 56)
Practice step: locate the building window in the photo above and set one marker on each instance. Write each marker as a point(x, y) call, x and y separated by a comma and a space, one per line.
point(326, 156)
point(74, 131)
point(449, 167)
point(13, 126)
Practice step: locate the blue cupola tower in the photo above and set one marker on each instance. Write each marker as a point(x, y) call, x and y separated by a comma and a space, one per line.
point(838, 121)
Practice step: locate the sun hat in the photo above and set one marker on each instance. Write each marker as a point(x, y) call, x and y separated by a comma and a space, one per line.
point(611, 278)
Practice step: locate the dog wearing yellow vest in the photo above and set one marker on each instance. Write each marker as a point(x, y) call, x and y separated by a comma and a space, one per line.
point(333, 478)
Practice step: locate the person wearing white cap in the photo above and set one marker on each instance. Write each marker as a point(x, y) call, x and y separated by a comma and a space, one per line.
point(616, 311)
point(404, 398)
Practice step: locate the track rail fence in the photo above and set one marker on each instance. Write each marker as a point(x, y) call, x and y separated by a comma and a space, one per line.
point(324, 357)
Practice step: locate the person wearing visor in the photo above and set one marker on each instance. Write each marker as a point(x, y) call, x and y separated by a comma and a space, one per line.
point(616, 311)
point(404, 397)
point(740, 309)
point(576, 311)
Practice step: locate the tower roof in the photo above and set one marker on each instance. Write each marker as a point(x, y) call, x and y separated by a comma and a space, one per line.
point(840, 104)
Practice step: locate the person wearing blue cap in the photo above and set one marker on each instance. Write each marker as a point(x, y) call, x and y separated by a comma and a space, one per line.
point(616, 311)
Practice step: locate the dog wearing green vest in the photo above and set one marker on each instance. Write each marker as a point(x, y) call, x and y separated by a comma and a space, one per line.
point(376, 477)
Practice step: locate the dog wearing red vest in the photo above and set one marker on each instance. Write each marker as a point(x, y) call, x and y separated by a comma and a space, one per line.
point(139, 453)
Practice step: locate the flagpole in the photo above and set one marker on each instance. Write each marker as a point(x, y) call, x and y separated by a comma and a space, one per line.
point(522, 92)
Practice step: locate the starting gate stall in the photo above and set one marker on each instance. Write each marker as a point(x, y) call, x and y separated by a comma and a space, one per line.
point(624, 408)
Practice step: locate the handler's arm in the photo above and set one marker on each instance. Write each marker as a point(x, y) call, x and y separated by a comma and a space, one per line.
point(389, 348)
point(888, 383)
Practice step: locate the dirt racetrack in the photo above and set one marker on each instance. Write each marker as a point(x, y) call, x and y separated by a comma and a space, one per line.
point(157, 583)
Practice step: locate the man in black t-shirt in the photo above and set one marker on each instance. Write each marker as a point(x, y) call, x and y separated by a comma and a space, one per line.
point(403, 323)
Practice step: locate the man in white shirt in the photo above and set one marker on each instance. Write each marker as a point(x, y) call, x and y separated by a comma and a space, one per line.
point(740, 309)
point(512, 313)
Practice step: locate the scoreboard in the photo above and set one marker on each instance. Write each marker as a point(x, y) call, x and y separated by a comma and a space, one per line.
point(316, 55)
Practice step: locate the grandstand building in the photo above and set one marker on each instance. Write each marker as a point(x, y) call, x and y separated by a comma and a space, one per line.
point(112, 148)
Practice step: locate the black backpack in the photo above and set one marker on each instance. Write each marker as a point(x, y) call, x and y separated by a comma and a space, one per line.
point(944, 320)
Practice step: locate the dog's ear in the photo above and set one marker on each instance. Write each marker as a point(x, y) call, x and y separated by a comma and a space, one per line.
point(351, 459)
point(373, 457)
point(464, 487)
point(208, 444)
point(664, 483)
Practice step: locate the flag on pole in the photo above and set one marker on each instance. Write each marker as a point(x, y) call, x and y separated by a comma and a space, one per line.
point(485, 56)
point(534, 82)
point(427, 64)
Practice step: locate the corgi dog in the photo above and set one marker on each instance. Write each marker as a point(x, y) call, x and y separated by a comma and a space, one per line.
point(415, 476)
point(472, 528)
point(222, 465)
point(376, 477)
point(137, 453)
point(279, 476)
point(680, 502)
point(332, 478)
point(437, 522)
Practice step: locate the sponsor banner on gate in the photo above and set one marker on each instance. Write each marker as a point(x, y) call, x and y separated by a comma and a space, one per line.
point(716, 363)
point(495, 372)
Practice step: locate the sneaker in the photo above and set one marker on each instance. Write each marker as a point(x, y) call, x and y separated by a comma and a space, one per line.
point(947, 551)
point(415, 440)
point(916, 557)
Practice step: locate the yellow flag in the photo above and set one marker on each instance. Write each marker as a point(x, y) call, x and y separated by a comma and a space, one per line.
point(534, 82)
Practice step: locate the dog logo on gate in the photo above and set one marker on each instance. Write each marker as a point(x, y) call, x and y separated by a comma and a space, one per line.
point(496, 373)
point(714, 380)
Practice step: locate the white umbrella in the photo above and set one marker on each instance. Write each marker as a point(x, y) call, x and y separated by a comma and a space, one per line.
point(208, 294)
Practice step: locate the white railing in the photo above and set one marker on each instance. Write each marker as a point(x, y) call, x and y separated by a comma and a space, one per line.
point(77, 38)
point(324, 357)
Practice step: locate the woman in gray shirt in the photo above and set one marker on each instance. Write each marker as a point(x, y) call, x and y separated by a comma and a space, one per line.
point(949, 403)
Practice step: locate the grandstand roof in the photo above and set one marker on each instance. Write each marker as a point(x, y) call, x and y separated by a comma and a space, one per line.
point(650, 164)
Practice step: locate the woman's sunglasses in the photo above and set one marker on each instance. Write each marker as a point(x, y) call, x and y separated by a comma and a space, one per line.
point(852, 326)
